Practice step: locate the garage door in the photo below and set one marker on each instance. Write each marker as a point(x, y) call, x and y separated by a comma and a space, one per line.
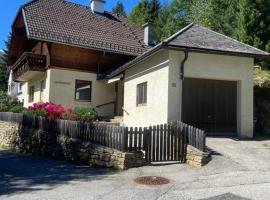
point(210, 105)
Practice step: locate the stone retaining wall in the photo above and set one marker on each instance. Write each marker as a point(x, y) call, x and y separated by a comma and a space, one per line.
point(41, 143)
point(9, 134)
point(197, 158)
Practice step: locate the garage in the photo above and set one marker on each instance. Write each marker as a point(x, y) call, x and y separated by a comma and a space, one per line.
point(210, 105)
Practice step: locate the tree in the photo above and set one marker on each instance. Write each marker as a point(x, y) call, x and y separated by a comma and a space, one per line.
point(161, 21)
point(153, 10)
point(139, 14)
point(3, 65)
point(119, 9)
point(253, 23)
point(145, 11)
point(199, 12)
point(177, 18)
point(219, 16)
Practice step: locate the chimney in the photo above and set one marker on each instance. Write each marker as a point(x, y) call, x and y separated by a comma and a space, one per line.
point(149, 34)
point(97, 6)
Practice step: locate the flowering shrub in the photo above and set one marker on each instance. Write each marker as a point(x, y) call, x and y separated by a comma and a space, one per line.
point(51, 111)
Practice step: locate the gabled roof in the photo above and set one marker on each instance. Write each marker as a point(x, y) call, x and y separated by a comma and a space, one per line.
point(73, 24)
point(196, 38)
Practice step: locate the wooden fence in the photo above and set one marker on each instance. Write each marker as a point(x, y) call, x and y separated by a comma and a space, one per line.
point(165, 142)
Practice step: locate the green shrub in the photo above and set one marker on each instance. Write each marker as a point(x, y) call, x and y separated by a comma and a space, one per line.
point(85, 114)
point(4, 101)
point(262, 101)
point(18, 108)
point(35, 113)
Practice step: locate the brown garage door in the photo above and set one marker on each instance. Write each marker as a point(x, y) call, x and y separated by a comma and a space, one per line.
point(210, 105)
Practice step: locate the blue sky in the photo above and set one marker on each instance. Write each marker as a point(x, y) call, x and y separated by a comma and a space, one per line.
point(9, 8)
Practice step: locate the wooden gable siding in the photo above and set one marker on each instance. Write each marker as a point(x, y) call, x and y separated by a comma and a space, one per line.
point(43, 49)
point(18, 45)
point(84, 59)
point(19, 41)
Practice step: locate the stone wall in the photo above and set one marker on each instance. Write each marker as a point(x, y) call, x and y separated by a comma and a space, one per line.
point(49, 144)
point(104, 156)
point(9, 134)
point(197, 158)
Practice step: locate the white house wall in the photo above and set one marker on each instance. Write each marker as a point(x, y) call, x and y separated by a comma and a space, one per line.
point(62, 90)
point(154, 71)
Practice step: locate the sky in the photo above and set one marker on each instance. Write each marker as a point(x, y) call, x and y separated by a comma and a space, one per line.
point(9, 8)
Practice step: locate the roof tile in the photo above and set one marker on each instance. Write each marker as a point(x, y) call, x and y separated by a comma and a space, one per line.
point(74, 24)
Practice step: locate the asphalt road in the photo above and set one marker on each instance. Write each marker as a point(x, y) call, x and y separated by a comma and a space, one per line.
point(239, 170)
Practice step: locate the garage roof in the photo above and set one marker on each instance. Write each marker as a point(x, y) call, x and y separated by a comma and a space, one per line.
point(196, 38)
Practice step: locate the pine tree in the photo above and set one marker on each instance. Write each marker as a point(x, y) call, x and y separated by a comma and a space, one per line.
point(145, 11)
point(3, 65)
point(161, 21)
point(139, 14)
point(153, 10)
point(119, 9)
point(253, 23)
point(177, 18)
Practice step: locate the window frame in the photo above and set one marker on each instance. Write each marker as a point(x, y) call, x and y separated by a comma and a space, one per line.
point(144, 93)
point(42, 85)
point(31, 97)
point(88, 82)
point(20, 88)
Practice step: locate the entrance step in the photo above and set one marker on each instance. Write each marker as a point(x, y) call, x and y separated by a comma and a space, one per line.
point(117, 119)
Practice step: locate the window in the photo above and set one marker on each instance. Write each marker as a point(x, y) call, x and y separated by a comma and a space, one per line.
point(42, 85)
point(83, 90)
point(20, 88)
point(31, 93)
point(142, 94)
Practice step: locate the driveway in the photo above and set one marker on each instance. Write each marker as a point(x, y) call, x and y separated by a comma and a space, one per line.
point(239, 170)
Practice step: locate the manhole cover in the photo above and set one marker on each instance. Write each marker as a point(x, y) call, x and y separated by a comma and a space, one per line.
point(151, 180)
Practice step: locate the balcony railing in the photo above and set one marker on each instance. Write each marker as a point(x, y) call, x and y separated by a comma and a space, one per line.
point(28, 62)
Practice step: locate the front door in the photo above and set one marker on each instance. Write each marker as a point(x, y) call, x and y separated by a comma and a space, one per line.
point(210, 105)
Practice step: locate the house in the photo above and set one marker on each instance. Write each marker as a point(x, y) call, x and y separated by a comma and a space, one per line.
point(83, 56)
point(198, 76)
point(60, 50)
point(14, 88)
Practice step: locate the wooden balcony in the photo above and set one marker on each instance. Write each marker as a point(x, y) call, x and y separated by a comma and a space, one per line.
point(28, 66)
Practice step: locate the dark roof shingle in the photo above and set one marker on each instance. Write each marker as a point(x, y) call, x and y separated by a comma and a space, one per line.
point(198, 39)
point(74, 24)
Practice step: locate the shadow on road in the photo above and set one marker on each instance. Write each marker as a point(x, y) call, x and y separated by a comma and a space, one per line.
point(20, 173)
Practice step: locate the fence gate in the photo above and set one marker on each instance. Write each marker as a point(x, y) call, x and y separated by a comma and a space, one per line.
point(165, 143)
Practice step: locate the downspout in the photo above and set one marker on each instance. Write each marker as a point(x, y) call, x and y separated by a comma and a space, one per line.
point(182, 75)
point(182, 66)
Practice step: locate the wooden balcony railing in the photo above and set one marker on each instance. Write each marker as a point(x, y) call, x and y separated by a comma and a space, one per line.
point(29, 62)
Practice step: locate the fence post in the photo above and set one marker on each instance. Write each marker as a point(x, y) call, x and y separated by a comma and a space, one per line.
point(204, 140)
point(146, 142)
point(125, 139)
